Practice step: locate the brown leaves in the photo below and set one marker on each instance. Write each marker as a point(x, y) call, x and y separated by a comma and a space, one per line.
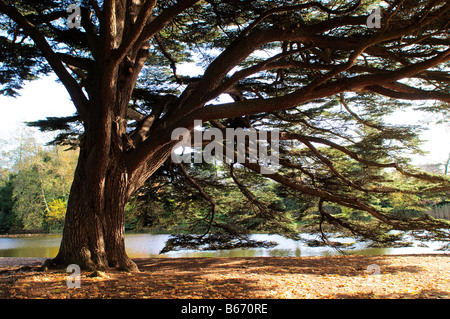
point(271, 277)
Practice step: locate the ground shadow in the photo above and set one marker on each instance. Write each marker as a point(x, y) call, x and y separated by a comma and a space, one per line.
point(339, 265)
point(222, 278)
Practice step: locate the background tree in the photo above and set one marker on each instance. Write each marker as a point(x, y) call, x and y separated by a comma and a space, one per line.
point(35, 184)
point(300, 66)
point(7, 218)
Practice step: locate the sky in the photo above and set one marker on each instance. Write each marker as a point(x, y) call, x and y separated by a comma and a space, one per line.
point(44, 97)
point(38, 100)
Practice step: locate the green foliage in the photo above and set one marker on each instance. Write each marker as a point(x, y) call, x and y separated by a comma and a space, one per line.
point(20, 62)
point(34, 194)
point(56, 211)
point(29, 198)
point(7, 218)
point(34, 191)
point(343, 144)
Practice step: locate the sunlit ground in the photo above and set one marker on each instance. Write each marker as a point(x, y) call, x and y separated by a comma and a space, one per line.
point(269, 277)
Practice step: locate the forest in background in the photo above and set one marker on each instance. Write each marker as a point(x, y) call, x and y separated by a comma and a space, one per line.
point(35, 181)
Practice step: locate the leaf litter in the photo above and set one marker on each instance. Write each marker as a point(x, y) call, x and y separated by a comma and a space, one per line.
point(410, 276)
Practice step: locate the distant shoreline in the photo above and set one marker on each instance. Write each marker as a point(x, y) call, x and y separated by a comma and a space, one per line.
point(27, 235)
point(33, 234)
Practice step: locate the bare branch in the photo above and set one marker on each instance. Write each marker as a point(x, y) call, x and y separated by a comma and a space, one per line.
point(108, 26)
point(135, 115)
point(136, 29)
point(358, 119)
point(140, 133)
point(414, 94)
point(81, 63)
point(91, 30)
point(157, 24)
point(169, 57)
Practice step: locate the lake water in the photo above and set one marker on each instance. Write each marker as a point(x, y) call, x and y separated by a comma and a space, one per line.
point(149, 245)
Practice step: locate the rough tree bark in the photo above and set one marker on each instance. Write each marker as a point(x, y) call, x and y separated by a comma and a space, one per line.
point(94, 228)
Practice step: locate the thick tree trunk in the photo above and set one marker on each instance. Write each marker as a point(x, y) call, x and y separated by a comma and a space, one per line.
point(94, 227)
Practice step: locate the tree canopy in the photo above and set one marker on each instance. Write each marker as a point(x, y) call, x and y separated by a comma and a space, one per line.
point(315, 70)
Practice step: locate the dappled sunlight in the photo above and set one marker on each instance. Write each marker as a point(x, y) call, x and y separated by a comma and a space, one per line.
point(226, 278)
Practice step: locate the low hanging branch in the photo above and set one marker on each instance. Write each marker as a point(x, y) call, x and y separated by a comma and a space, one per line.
point(264, 211)
point(203, 193)
point(324, 237)
point(423, 222)
point(373, 234)
point(345, 200)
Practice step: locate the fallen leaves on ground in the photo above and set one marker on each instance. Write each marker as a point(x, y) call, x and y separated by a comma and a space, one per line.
point(268, 277)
